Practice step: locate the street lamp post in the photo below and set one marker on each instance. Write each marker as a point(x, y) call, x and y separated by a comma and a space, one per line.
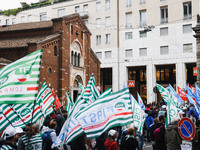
point(197, 36)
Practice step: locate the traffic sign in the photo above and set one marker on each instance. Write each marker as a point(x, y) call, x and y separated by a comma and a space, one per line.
point(186, 129)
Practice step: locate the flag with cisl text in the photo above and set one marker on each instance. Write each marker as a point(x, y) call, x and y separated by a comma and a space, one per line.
point(19, 80)
point(138, 115)
point(105, 113)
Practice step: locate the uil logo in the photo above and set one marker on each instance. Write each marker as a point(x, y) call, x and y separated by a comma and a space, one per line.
point(120, 106)
point(23, 73)
point(25, 112)
point(3, 80)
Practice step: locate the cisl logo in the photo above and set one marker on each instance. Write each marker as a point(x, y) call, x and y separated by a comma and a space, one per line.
point(25, 112)
point(3, 80)
point(23, 73)
point(119, 106)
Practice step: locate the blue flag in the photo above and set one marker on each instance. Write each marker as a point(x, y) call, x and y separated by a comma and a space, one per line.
point(197, 93)
point(191, 101)
point(140, 102)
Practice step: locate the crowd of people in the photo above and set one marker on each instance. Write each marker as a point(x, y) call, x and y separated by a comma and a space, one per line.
point(35, 137)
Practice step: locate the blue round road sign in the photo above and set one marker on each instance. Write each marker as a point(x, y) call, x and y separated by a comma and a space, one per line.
point(186, 129)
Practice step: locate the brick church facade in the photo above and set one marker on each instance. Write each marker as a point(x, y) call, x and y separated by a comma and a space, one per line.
point(67, 54)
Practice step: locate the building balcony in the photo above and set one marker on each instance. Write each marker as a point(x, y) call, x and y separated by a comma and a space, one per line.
point(84, 14)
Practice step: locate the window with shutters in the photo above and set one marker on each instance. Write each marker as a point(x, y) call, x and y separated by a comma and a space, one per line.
point(143, 21)
point(164, 31)
point(164, 50)
point(187, 28)
point(107, 38)
point(187, 48)
point(107, 4)
point(108, 54)
point(128, 53)
point(98, 23)
point(99, 55)
point(98, 6)
point(143, 52)
point(128, 20)
point(164, 15)
point(61, 12)
point(128, 35)
point(98, 40)
point(187, 10)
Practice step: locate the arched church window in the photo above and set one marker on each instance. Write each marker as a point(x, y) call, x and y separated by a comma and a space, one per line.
point(78, 60)
point(55, 51)
point(72, 56)
point(75, 59)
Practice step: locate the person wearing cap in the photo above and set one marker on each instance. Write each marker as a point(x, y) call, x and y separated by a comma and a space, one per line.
point(19, 132)
point(9, 143)
point(172, 137)
point(163, 111)
point(110, 142)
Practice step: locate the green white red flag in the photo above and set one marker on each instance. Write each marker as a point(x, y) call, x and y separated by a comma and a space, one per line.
point(172, 110)
point(19, 80)
point(164, 92)
point(105, 113)
point(138, 115)
point(91, 92)
point(45, 98)
point(7, 116)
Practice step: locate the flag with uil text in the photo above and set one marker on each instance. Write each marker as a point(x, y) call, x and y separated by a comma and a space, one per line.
point(45, 98)
point(105, 113)
point(138, 115)
point(25, 112)
point(19, 80)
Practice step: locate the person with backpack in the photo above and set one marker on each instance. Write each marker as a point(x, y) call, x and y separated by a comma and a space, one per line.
point(159, 134)
point(49, 136)
point(149, 122)
point(9, 143)
point(172, 137)
point(152, 129)
point(196, 140)
point(110, 142)
point(129, 142)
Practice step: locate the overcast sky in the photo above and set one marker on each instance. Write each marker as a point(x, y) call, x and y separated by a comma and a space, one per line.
point(9, 4)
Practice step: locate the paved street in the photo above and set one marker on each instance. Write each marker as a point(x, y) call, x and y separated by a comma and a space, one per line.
point(147, 146)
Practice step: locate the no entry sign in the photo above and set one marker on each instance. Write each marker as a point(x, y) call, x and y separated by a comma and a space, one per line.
point(186, 129)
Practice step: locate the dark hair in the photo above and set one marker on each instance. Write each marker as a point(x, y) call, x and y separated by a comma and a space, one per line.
point(161, 117)
point(197, 123)
point(52, 124)
point(64, 111)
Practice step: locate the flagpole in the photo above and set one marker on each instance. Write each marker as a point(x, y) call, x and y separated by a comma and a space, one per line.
point(17, 115)
point(6, 117)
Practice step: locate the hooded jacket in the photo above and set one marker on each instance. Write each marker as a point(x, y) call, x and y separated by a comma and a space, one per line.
point(172, 137)
point(111, 145)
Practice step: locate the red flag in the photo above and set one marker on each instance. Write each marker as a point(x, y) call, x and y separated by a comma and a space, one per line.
point(182, 94)
point(57, 101)
point(192, 88)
